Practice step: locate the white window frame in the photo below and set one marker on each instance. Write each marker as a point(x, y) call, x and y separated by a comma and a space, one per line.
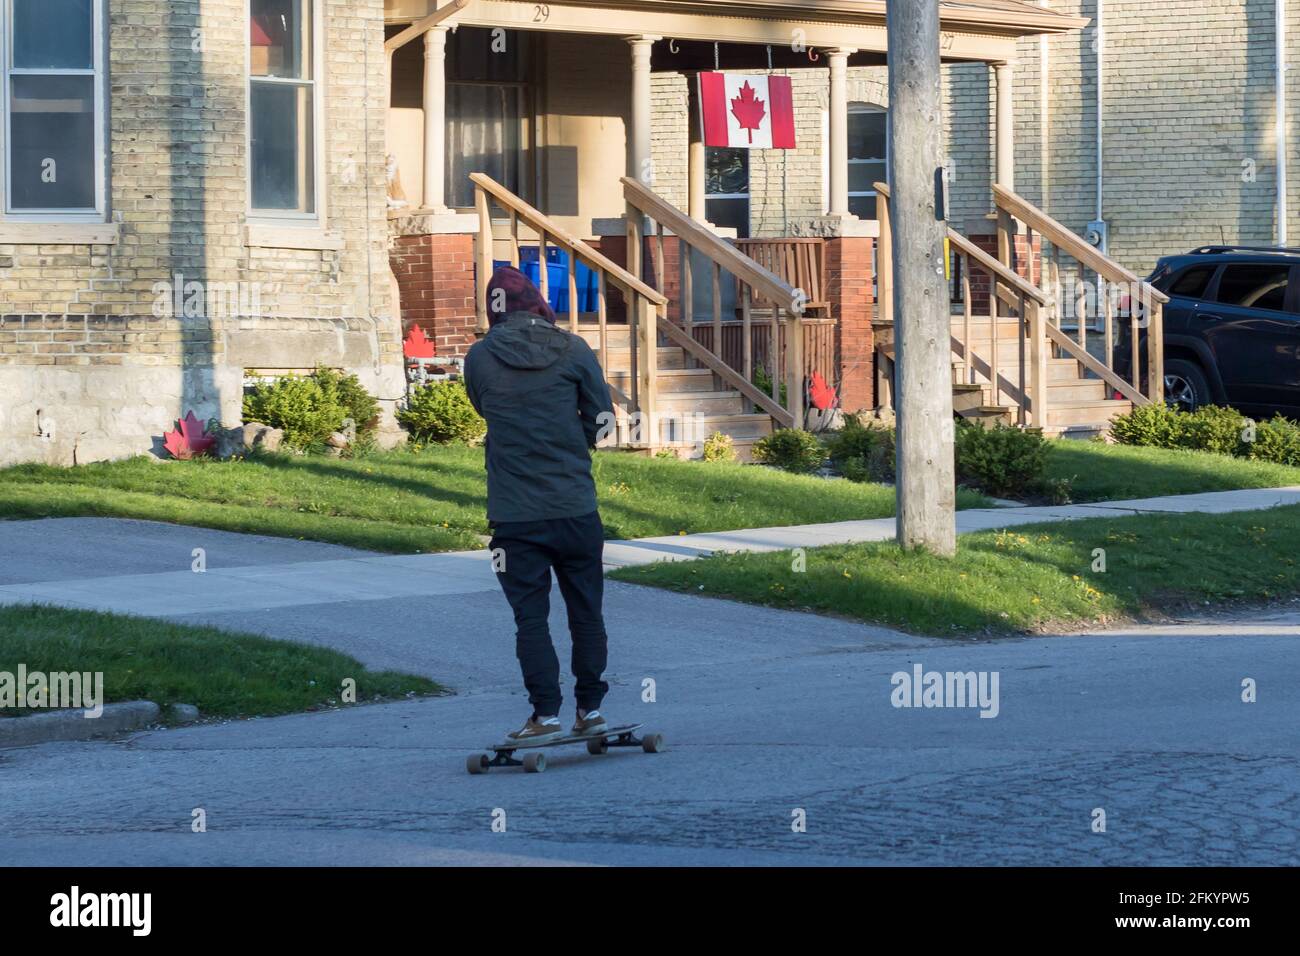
point(99, 71)
point(860, 108)
point(747, 195)
point(287, 218)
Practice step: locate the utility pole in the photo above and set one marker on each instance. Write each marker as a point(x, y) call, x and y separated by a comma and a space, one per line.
point(926, 486)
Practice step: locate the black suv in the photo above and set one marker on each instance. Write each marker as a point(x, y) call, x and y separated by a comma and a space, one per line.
point(1231, 328)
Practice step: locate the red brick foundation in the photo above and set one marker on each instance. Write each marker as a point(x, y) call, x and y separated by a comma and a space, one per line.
point(1026, 262)
point(849, 287)
point(435, 276)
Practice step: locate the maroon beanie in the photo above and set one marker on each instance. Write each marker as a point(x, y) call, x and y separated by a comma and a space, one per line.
point(520, 295)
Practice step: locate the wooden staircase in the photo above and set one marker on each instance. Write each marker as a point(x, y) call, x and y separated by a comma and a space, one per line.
point(673, 385)
point(1018, 365)
point(693, 402)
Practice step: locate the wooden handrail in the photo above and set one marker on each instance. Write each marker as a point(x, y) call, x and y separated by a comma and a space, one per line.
point(752, 392)
point(1084, 358)
point(1068, 241)
point(986, 261)
point(538, 220)
point(766, 283)
point(423, 25)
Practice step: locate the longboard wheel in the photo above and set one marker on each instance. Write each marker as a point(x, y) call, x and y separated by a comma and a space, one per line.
point(534, 763)
point(652, 743)
point(476, 763)
point(597, 746)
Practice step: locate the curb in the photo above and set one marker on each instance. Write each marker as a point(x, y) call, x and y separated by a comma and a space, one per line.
point(74, 725)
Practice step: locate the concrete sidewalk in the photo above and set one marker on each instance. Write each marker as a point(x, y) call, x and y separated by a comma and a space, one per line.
point(62, 561)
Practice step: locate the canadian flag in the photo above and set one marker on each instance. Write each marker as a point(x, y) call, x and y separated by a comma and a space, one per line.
point(748, 112)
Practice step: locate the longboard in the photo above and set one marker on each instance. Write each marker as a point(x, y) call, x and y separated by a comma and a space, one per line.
point(503, 754)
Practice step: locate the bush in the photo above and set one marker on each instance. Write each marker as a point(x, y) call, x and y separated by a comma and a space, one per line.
point(862, 451)
point(719, 447)
point(1155, 426)
point(441, 412)
point(1003, 461)
point(762, 381)
point(791, 449)
point(1212, 428)
point(306, 412)
point(346, 390)
point(1278, 441)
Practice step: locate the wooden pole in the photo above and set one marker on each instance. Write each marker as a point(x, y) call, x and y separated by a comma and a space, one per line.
point(926, 486)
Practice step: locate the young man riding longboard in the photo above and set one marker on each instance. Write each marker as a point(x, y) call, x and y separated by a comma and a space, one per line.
point(544, 397)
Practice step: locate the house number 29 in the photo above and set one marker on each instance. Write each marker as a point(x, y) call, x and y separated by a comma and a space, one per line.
point(541, 13)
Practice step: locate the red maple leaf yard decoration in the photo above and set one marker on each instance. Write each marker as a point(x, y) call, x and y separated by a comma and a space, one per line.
point(189, 440)
point(822, 395)
point(417, 344)
point(748, 110)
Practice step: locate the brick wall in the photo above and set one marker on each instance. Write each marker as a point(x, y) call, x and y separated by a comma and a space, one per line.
point(436, 277)
point(850, 290)
point(178, 189)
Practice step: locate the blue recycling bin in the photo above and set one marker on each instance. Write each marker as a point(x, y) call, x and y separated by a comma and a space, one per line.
point(557, 278)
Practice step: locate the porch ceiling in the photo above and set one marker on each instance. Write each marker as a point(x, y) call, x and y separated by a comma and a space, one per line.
point(972, 29)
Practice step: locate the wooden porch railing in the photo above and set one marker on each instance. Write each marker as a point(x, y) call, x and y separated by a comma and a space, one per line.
point(1023, 301)
point(799, 260)
point(754, 283)
point(644, 305)
point(1094, 275)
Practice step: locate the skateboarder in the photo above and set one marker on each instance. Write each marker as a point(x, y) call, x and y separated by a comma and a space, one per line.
point(544, 396)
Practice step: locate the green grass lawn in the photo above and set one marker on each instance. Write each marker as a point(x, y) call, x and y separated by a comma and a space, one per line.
point(1031, 578)
point(224, 674)
point(1100, 472)
point(434, 500)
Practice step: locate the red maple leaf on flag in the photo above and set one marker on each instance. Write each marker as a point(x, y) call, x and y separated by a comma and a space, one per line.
point(822, 395)
point(748, 110)
point(189, 440)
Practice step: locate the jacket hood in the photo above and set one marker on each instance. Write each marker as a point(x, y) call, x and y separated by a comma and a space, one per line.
point(524, 340)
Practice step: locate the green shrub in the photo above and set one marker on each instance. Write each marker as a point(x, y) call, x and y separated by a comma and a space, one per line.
point(719, 447)
point(1213, 428)
point(1004, 461)
point(1277, 440)
point(441, 412)
point(346, 390)
point(791, 449)
point(1155, 426)
point(298, 405)
point(862, 451)
point(763, 382)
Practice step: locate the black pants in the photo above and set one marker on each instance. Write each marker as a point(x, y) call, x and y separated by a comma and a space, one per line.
point(524, 554)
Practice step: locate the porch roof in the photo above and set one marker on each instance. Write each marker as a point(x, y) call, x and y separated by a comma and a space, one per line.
point(971, 29)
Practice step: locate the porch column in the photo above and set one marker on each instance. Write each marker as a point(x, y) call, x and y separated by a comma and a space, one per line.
point(694, 150)
point(435, 118)
point(638, 141)
point(839, 131)
point(1005, 125)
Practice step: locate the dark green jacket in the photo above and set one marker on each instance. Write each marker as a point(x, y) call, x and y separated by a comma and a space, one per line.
point(544, 396)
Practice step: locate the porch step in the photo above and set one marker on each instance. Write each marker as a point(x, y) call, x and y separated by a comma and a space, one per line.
point(669, 357)
point(1093, 413)
point(705, 403)
point(671, 379)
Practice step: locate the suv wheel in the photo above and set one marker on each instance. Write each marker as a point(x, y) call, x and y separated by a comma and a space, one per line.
point(1185, 385)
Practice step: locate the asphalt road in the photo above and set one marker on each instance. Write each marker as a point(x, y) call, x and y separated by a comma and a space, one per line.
point(770, 717)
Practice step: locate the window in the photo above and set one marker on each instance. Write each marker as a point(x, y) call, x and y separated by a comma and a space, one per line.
point(1254, 286)
point(282, 108)
point(868, 157)
point(486, 105)
point(53, 109)
point(1191, 283)
point(726, 188)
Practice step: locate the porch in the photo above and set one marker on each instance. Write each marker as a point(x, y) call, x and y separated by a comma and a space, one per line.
point(510, 121)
